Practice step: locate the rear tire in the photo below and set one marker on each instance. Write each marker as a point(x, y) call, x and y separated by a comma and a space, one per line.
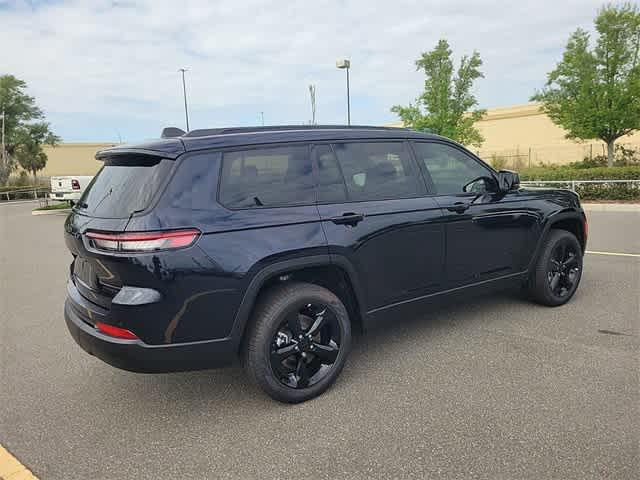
point(558, 270)
point(298, 342)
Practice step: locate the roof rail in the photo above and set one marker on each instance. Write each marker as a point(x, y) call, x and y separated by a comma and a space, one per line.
point(229, 130)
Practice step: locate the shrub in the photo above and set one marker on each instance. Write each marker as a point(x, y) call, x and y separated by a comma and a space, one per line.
point(611, 191)
point(498, 162)
point(624, 157)
point(570, 173)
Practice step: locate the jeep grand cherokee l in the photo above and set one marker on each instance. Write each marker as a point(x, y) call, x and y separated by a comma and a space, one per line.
point(273, 243)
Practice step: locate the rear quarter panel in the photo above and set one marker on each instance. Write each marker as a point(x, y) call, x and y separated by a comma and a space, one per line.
point(236, 244)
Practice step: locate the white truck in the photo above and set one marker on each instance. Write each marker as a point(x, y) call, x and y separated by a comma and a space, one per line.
point(69, 188)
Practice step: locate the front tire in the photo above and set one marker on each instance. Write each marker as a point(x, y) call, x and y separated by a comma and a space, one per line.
point(298, 342)
point(558, 270)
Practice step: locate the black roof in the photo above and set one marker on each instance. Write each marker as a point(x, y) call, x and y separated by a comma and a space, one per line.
point(239, 136)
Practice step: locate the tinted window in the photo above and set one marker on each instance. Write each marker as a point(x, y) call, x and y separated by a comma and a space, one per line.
point(124, 186)
point(193, 186)
point(267, 177)
point(331, 186)
point(450, 168)
point(377, 170)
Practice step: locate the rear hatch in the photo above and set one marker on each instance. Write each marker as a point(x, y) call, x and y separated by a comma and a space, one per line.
point(125, 186)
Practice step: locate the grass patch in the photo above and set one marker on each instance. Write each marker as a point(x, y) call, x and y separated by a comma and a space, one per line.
point(56, 206)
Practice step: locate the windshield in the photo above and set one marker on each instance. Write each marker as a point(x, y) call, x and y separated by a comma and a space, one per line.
point(123, 186)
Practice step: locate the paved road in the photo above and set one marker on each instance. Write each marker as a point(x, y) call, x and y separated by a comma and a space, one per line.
point(496, 388)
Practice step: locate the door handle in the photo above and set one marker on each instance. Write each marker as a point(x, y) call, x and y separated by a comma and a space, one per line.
point(349, 218)
point(458, 207)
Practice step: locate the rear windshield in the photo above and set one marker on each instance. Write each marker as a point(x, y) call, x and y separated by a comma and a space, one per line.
point(124, 186)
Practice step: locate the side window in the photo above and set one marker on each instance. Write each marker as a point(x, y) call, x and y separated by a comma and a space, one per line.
point(450, 169)
point(267, 177)
point(331, 186)
point(376, 171)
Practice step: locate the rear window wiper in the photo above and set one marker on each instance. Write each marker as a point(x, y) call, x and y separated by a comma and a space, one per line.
point(258, 202)
point(103, 198)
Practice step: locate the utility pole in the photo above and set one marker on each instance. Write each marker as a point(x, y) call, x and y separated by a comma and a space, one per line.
point(3, 150)
point(345, 64)
point(312, 92)
point(184, 91)
point(262, 118)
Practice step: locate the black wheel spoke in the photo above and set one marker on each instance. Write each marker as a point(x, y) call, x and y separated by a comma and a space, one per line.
point(326, 353)
point(302, 373)
point(317, 324)
point(571, 261)
point(555, 280)
point(280, 354)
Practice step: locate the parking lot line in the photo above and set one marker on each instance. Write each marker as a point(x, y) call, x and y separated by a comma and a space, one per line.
point(615, 254)
point(12, 469)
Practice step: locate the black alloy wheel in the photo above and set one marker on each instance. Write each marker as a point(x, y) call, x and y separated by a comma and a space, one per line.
point(558, 269)
point(564, 268)
point(298, 341)
point(306, 345)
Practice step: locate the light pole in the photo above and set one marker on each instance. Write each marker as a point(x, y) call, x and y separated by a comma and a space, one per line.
point(345, 64)
point(2, 151)
point(184, 91)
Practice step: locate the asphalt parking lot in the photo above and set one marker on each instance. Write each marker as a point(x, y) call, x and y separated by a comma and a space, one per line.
point(497, 388)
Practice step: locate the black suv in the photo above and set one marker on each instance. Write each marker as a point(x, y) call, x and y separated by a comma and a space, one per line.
point(273, 243)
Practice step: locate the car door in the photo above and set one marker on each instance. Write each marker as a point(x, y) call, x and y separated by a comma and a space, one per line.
point(375, 214)
point(489, 234)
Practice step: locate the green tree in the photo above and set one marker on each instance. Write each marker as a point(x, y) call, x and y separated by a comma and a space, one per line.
point(28, 151)
point(595, 93)
point(25, 130)
point(445, 105)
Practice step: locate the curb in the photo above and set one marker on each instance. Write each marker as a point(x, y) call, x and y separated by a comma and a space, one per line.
point(611, 207)
point(12, 469)
point(51, 212)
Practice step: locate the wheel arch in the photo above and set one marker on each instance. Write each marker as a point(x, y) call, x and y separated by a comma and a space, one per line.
point(572, 221)
point(331, 272)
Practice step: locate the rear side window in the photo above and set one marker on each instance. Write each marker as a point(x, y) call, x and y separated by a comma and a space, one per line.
point(376, 171)
point(124, 185)
point(267, 177)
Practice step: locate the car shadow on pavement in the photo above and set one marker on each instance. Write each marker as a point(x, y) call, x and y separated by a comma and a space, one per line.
point(229, 389)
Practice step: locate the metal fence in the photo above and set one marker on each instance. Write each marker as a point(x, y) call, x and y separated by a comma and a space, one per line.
point(30, 193)
point(526, 156)
point(572, 184)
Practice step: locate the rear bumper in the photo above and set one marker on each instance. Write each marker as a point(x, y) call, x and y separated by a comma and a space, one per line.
point(135, 355)
point(65, 196)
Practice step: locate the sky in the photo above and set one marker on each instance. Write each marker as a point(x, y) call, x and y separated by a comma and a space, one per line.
point(107, 71)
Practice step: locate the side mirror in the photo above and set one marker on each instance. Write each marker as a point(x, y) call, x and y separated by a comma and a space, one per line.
point(481, 185)
point(508, 180)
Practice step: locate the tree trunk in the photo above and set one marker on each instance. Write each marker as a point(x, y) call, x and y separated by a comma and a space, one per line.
point(610, 145)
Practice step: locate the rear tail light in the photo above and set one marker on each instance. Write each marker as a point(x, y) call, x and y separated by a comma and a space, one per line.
point(116, 332)
point(143, 241)
point(75, 184)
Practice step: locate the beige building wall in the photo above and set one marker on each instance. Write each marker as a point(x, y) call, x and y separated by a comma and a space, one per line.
point(523, 135)
point(73, 159)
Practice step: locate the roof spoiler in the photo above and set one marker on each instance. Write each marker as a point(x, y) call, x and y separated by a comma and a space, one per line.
point(171, 132)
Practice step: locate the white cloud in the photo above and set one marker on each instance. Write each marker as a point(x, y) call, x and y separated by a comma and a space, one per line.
point(116, 62)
